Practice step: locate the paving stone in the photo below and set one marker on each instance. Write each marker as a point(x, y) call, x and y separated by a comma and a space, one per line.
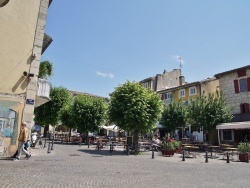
point(79, 166)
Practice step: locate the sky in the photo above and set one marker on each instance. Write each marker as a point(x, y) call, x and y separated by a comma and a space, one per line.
point(100, 44)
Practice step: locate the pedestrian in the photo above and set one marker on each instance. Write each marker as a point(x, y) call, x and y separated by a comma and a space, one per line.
point(22, 139)
point(26, 146)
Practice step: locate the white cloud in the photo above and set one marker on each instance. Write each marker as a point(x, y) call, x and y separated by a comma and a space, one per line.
point(109, 75)
point(178, 59)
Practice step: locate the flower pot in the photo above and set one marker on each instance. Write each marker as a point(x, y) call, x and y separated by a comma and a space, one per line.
point(243, 157)
point(167, 152)
point(178, 150)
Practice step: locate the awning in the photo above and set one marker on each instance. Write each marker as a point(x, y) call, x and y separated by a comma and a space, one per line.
point(234, 125)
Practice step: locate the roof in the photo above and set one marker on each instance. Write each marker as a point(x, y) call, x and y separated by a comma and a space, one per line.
point(46, 42)
point(231, 71)
point(50, 1)
point(84, 93)
point(234, 125)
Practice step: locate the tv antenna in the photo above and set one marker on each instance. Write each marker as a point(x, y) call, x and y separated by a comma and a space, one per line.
point(181, 62)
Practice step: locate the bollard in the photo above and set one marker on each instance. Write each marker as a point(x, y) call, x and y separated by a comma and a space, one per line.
point(206, 161)
point(45, 143)
point(98, 145)
point(153, 154)
point(247, 158)
point(228, 158)
point(52, 148)
point(49, 148)
point(183, 155)
point(128, 151)
point(111, 148)
point(88, 144)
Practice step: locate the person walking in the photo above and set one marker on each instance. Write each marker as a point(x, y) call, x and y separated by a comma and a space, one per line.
point(23, 136)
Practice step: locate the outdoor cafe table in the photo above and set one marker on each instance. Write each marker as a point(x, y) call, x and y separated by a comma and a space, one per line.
point(190, 151)
point(224, 146)
point(232, 151)
point(213, 149)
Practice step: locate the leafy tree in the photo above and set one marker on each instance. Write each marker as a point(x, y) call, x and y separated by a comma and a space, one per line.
point(66, 116)
point(174, 116)
point(209, 111)
point(88, 112)
point(45, 70)
point(49, 113)
point(134, 108)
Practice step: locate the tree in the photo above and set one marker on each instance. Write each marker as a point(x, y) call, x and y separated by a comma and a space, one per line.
point(45, 70)
point(66, 116)
point(209, 111)
point(49, 113)
point(88, 112)
point(134, 108)
point(174, 116)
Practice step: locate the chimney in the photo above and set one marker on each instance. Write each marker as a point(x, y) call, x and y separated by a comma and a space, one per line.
point(181, 80)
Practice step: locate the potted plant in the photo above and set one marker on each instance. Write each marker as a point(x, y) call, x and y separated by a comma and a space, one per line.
point(177, 145)
point(169, 148)
point(243, 149)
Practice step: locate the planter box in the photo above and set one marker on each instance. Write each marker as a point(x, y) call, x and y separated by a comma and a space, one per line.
point(178, 150)
point(167, 152)
point(242, 157)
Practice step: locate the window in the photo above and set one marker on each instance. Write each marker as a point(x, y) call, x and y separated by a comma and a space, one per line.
point(192, 91)
point(168, 96)
point(244, 108)
point(181, 93)
point(243, 84)
point(227, 134)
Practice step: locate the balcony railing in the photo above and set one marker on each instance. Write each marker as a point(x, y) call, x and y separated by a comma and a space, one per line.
point(43, 92)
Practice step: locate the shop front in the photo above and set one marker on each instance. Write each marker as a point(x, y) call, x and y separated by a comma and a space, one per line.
point(234, 132)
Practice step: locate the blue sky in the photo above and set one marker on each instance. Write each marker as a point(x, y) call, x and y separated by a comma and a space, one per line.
point(99, 44)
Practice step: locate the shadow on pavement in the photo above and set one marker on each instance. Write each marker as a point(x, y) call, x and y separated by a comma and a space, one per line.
point(102, 152)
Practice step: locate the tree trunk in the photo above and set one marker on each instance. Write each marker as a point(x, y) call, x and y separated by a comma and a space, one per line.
point(87, 137)
point(135, 142)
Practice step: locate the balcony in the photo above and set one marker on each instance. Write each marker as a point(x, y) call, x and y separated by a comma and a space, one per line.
point(43, 92)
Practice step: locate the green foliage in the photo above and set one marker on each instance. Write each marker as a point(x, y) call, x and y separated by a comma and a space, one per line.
point(209, 111)
point(171, 145)
point(66, 116)
point(134, 107)
point(49, 113)
point(45, 70)
point(174, 116)
point(88, 112)
point(243, 147)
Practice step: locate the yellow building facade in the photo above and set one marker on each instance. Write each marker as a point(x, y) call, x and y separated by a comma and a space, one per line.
point(22, 42)
point(185, 93)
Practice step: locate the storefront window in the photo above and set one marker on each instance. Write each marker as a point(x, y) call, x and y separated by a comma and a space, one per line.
point(227, 134)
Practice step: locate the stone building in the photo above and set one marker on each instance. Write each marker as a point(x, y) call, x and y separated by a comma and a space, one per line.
point(236, 86)
point(22, 42)
point(164, 80)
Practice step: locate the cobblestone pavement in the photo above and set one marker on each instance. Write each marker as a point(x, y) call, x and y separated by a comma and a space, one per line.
point(80, 166)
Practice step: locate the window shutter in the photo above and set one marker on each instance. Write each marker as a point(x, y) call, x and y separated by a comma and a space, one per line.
point(241, 108)
point(246, 107)
point(248, 83)
point(236, 86)
point(242, 73)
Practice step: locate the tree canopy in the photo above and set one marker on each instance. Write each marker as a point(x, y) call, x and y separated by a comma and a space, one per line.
point(174, 116)
point(45, 70)
point(209, 111)
point(49, 113)
point(134, 108)
point(88, 112)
